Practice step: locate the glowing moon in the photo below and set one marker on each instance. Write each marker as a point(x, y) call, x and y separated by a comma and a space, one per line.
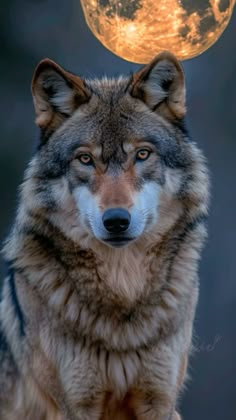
point(137, 30)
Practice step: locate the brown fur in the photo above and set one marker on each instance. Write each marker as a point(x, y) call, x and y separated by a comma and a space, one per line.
point(91, 331)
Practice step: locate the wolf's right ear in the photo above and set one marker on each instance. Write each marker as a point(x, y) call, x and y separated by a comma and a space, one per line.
point(56, 94)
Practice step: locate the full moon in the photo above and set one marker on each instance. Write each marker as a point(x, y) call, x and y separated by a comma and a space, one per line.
point(137, 30)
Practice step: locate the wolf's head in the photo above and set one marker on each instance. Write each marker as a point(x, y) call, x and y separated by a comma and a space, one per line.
point(112, 153)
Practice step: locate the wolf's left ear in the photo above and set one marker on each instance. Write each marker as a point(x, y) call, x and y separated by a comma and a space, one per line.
point(161, 86)
point(56, 94)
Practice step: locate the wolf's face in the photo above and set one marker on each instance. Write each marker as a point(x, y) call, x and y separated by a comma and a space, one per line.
point(116, 205)
point(109, 147)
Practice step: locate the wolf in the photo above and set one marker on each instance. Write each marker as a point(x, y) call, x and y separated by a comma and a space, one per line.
point(97, 307)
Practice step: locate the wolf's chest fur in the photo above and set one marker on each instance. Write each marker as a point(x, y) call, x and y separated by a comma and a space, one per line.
point(77, 359)
point(126, 272)
point(101, 343)
point(98, 319)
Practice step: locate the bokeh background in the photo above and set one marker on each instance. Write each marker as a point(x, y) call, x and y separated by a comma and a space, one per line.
point(33, 29)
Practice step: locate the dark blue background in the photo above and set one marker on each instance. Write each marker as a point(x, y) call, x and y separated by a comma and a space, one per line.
point(31, 30)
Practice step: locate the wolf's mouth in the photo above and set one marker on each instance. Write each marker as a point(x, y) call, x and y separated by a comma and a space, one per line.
point(118, 242)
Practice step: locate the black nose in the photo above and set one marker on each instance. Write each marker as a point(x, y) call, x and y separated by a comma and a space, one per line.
point(116, 220)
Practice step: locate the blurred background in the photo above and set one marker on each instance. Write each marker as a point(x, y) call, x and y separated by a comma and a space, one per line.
point(33, 29)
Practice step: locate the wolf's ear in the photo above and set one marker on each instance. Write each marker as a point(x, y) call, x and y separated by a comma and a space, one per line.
point(161, 86)
point(56, 94)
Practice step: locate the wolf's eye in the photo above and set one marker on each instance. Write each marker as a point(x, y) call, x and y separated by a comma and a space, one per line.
point(143, 154)
point(85, 159)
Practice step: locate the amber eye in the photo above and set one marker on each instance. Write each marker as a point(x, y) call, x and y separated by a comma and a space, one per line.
point(85, 159)
point(143, 154)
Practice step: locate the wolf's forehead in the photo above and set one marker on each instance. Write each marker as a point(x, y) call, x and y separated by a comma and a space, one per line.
point(110, 128)
point(109, 89)
point(112, 122)
point(113, 139)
